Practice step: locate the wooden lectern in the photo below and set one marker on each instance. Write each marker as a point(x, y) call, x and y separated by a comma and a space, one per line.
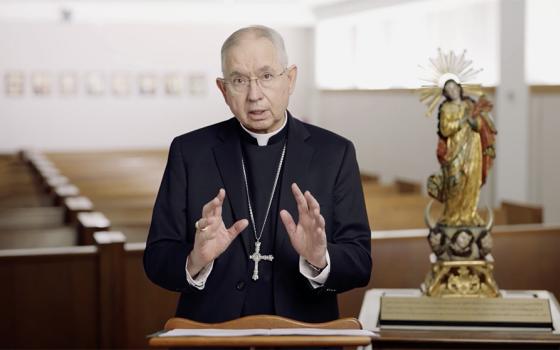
point(262, 322)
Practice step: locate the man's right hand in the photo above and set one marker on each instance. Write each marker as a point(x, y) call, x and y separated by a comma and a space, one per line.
point(212, 238)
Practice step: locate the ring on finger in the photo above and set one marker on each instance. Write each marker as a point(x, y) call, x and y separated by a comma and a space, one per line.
point(198, 228)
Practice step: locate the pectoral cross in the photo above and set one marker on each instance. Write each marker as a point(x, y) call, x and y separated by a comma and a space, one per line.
point(256, 257)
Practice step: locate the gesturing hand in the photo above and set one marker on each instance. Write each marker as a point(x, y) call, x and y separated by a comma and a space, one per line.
point(212, 238)
point(308, 236)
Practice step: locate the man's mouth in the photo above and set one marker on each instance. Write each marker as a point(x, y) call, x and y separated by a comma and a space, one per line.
point(257, 112)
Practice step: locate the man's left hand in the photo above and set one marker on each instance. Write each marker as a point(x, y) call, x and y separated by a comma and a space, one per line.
point(308, 236)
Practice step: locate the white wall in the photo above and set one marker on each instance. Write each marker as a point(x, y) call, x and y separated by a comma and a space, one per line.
point(392, 136)
point(545, 155)
point(57, 122)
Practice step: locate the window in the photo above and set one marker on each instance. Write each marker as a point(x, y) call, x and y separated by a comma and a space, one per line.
point(542, 53)
point(382, 48)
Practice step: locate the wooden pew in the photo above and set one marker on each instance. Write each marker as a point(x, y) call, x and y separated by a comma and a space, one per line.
point(376, 190)
point(122, 185)
point(34, 238)
point(369, 177)
point(49, 298)
point(32, 217)
point(128, 203)
point(406, 211)
point(408, 186)
point(147, 305)
point(526, 257)
point(18, 187)
point(399, 211)
point(57, 236)
point(80, 297)
point(98, 296)
point(520, 213)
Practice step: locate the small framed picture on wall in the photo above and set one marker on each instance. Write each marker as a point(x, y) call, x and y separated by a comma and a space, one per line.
point(68, 83)
point(147, 84)
point(95, 83)
point(174, 84)
point(14, 83)
point(41, 83)
point(120, 84)
point(197, 84)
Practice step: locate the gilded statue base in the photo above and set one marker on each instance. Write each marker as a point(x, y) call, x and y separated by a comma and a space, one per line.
point(461, 279)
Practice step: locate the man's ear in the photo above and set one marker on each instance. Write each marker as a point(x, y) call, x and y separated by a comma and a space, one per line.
point(292, 76)
point(222, 87)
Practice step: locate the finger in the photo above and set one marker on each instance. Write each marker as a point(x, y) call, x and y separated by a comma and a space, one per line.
point(201, 224)
point(206, 228)
point(318, 218)
point(322, 222)
point(300, 199)
point(221, 197)
point(288, 222)
point(237, 228)
point(208, 208)
point(312, 203)
point(318, 223)
point(213, 228)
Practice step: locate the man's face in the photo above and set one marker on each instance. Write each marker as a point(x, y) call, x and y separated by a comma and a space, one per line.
point(261, 110)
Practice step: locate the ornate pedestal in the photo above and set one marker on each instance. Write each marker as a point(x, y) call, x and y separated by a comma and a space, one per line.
point(461, 279)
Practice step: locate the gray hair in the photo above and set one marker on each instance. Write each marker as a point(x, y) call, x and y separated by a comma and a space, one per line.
point(257, 31)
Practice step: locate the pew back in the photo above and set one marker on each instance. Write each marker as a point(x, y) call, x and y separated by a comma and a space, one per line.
point(49, 298)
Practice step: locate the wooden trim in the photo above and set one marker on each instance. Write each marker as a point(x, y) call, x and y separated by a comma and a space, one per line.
point(544, 89)
point(48, 252)
point(88, 224)
point(135, 247)
point(261, 341)
point(111, 289)
point(262, 321)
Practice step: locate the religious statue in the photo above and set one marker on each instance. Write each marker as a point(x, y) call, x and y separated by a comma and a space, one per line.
point(460, 239)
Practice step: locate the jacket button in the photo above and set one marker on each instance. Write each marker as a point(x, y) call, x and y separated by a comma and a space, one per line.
point(240, 285)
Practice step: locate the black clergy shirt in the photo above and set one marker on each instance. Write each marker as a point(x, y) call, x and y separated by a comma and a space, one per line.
point(261, 163)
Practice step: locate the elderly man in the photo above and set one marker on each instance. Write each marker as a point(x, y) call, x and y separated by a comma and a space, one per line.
point(261, 213)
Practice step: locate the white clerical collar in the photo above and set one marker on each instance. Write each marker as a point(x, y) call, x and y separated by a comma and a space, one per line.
point(262, 139)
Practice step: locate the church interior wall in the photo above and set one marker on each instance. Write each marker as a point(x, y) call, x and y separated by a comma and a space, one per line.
point(392, 136)
point(82, 121)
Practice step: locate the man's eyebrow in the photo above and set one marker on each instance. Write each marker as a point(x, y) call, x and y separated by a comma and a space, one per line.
point(265, 68)
point(235, 73)
point(260, 70)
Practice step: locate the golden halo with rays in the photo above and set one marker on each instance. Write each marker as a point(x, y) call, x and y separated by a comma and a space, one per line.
point(444, 67)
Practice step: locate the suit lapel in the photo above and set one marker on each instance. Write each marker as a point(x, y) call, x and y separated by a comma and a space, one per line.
point(228, 160)
point(298, 158)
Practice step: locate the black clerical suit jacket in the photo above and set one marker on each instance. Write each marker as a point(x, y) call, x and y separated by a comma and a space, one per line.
point(203, 161)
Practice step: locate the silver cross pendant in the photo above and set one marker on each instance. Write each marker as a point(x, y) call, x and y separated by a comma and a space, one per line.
point(257, 257)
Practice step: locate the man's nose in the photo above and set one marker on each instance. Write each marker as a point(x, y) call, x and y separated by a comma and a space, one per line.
point(255, 90)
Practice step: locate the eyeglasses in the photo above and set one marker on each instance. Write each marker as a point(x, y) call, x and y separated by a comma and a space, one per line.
point(265, 80)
